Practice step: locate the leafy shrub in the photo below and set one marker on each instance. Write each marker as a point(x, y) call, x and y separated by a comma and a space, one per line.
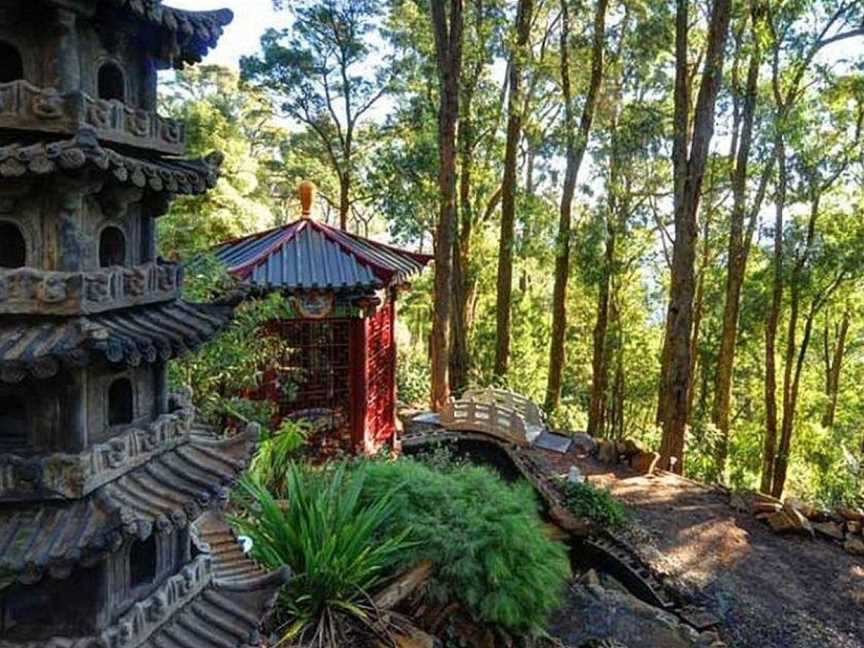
point(333, 541)
point(483, 536)
point(597, 504)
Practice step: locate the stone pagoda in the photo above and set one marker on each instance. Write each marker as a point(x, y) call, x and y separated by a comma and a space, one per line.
point(111, 494)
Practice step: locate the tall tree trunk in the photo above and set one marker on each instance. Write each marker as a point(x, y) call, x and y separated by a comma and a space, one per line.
point(677, 379)
point(576, 146)
point(459, 356)
point(448, 47)
point(508, 198)
point(792, 369)
point(599, 364)
point(770, 441)
point(680, 138)
point(739, 249)
point(833, 363)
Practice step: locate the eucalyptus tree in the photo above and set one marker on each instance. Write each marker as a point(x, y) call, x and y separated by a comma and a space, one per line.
point(690, 148)
point(448, 26)
point(576, 143)
point(318, 71)
point(515, 108)
point(796, 40)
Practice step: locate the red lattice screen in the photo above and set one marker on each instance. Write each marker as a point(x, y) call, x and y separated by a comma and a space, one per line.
point(381, 368)
point(312, 368)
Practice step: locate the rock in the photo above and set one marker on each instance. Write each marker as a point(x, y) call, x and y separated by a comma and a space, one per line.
point(807, 510)
point(739, 503)
point(590, 578)
point(607, 452)
point(853, 528)
point(569, 522)
point(575, 476)
point(789, 521)
point(584, 442)
point(830, 530)
point(763, 497)
point(766, 507)
point(854, 546)
point(644, 463)
point(850, 514)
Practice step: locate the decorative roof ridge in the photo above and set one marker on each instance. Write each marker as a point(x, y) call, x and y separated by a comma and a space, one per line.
point(289, 235)
point(134, 335)
point(156, 12)
point(385, 274)
point(417, 256)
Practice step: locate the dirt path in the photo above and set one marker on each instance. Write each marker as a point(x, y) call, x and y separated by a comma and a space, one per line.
point(770, 591)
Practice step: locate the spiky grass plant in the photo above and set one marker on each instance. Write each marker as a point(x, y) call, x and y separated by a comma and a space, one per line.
point(332, 540)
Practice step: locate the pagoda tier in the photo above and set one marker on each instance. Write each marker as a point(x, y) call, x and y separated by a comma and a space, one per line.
point(161, 496)
point(84, 153)
point(111, 493)
point(41, 348)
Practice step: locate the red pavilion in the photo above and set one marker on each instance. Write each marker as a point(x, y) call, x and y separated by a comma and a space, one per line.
point(338, 350)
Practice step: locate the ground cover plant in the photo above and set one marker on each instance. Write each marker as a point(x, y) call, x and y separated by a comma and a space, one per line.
point(483, 536)
point(596, 504)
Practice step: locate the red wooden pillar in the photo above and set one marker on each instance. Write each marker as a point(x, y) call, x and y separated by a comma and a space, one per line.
point(359, 361)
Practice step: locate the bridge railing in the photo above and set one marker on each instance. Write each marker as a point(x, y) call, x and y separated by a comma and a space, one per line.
point(489, 418)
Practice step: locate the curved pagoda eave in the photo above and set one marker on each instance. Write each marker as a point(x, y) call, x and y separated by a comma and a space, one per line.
point(166, 494)
point(185, 37)
point(148, 334)
point(84, 153)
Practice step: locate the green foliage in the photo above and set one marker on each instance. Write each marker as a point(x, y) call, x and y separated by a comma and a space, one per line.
point(276, 454)
point(412, 378)
point(231, 364)
point(335, 543)
point(484, 537)
point(221, 116)
point(596, 504)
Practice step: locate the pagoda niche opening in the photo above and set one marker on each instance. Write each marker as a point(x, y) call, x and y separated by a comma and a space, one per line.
point(143, 562)
point(112, 83)
point(13, 422)
point(112, 247)
point(120, 402)
point(13, 252)
point(11, 65)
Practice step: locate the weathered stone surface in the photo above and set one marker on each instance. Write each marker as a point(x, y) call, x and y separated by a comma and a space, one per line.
point(739, 503)
point(853, 527)
point(829, 530)
point(766, 507)
point(644, 463)
point(854, 546)
point(850, 513)
point(584, 442)
point(567, 521)
point(609, 615)
point(789, 520)
point(607, 451)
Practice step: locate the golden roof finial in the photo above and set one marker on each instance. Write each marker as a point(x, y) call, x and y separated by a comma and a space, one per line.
point(307, 197)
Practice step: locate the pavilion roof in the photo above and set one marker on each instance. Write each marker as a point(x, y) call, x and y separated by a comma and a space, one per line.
point(308, 255)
